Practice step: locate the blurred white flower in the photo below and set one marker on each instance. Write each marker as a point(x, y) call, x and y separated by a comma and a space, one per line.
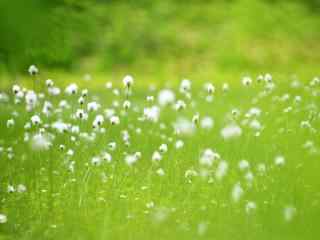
point(279, 160)
point(156, 156)
point(246, 81)
point(10, 123)
point(289, 212)
point(128, 81)
point(163, 148)
point(71, 89)
point(115, 120)
point(3, 218)
point(231, 131)
point(237, 192)
point(250, 207)
point(179, 144)
point(130, 159)
point(185, 85)
point(152, 113)
point(35, 119)
point(221, 170)
point(40, 142)
point(207, 123)
point(33, 70)
point(166, 97)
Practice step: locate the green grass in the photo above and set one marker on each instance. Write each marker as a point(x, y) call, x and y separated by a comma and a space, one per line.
point(60, 204)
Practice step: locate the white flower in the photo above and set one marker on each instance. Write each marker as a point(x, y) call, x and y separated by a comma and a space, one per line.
point(207, 123)
point(19, 95)
point(150, 98)
point(21, 188)
point(10, 123)
point(60, 126)
point(180, 105)
point(80, 114)
point(49, 83)
point(231, 131)
point(160, 172)
point(35, 119)
point(190, 173)
point(130, 159)
point(249, 176)
point(81, 100)
point(152, 113)
point(254, 111)
point(260, 78)
point(297, 99)
point(40, 142)
point(33, 70)
point(246, 81)
point(108, 85)
point(235, 112)
point(289, 212)
point(166, 97)
point(268, 77)
point(210, 88)
point(71, 89)
point(163, 148)
point(70, 152)
point(128, 81)
point(31, 98)
point(84, 93)
point(250, 207)
point(156, 156)
point(11, 189)
point(184, 126)
point(179, 144)
point(54, 91)
point(3, 218)
point(195, 119)
point(115, 120)
point(93, 106)
point(126, 104)
point(150, 204)
point(279, 160)
point(47, 107)
point(109, 112)
point(255, 124)
point(225, 87)
point(237, 192)
point(185, 85)
point(112, 146)
point(15, 89)
point(99, 119)
point(96, 161)
point(221, 170)
point(208, 157)
point(138, 155)
point(244, 164)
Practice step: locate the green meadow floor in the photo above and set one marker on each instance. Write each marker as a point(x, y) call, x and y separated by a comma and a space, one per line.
point(177, 197)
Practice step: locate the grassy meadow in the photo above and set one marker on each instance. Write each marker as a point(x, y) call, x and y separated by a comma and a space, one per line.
point(162, 119)
point(233, 160)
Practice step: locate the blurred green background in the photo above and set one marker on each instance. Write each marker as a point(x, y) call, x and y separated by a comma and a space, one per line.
point(164, 39)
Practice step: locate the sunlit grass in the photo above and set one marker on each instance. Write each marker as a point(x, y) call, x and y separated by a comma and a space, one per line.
point(73, 192)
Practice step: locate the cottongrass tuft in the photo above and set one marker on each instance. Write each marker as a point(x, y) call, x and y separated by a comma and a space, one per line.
point(3, 218)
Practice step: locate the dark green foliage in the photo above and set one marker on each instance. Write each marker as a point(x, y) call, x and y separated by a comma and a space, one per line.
point(63, 33)
point(43, 32)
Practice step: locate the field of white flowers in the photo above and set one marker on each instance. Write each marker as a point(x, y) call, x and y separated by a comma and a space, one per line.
point(219, 160)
